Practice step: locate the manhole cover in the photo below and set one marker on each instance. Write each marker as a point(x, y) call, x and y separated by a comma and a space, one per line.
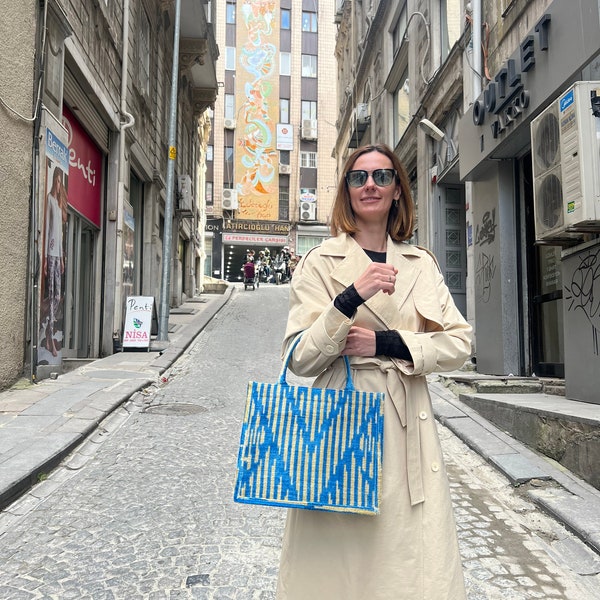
point(175, 409)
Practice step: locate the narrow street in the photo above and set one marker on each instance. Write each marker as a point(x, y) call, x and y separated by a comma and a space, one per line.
point(144, 510)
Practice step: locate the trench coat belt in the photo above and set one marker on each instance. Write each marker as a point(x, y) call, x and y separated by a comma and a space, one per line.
point(406, 410)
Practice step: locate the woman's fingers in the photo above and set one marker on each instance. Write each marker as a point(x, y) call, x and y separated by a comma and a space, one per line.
point(376, 277)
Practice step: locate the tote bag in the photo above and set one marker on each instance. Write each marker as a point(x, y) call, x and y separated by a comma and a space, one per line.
point(311, 448)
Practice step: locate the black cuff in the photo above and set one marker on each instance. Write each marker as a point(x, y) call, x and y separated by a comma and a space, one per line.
point(348, 301)
point(389, 343)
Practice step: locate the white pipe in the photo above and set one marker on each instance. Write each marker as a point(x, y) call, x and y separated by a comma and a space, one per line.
point(477, 64)
point(127, 121)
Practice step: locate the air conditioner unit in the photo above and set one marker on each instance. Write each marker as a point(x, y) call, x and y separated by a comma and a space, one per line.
point(566, 166)
point(309, 129)
point(229, 123)
point(230, 199)
point(308, 211)
point(185, 192)
point(284, 169)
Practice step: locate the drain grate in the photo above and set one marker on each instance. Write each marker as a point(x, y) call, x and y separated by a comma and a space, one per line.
point(179, 409)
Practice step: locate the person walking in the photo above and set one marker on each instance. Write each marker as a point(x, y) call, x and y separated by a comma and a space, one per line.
point(367, 294)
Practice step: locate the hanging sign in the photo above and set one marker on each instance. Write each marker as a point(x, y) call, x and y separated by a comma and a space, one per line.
point(138, 321)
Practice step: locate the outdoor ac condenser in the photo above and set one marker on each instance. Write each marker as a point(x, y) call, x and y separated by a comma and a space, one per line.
point(230, 199)
point(566, 166)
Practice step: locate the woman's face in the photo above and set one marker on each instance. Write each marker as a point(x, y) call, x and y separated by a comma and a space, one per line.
point(371, 202)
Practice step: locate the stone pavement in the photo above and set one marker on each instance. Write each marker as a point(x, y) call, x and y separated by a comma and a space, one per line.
point(41, 424)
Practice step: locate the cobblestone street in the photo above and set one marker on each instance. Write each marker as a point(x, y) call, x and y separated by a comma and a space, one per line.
point(144, 510)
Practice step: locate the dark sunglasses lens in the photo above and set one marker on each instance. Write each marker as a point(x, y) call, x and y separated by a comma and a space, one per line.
point(383, 176)
point(356, 178)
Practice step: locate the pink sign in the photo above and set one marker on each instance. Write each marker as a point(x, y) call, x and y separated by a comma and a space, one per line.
point(85, 172)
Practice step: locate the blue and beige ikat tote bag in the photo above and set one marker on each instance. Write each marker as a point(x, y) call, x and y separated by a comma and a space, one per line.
point(312, 448)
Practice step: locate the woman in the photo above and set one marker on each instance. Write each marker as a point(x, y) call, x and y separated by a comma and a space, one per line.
point(367, 294)
point(54, 262)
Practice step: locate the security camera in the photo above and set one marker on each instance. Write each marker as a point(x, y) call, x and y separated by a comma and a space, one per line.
point(430, 129)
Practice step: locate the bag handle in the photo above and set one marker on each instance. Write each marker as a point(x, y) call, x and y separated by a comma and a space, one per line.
point(282, 376)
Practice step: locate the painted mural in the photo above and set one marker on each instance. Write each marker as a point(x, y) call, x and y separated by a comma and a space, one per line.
point(258, 111)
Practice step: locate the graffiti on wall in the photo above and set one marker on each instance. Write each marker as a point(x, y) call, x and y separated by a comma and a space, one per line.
point(583, 292)
point(485, 272)
point(256, 159)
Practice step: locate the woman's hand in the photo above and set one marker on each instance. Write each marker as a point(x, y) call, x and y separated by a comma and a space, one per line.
point(360, 342)
point(377, 276)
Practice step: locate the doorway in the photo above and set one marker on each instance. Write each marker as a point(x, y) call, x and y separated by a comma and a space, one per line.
point(79, 291)
point(545, 296)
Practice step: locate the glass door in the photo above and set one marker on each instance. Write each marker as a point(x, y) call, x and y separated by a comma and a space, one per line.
point(79, 271)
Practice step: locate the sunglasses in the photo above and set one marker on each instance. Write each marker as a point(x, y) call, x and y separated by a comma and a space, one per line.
point(381, 177)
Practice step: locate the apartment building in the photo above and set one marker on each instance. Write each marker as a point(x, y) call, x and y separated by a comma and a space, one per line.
point(492, 107)
point(401, 72)
point(87, 103)
point(271, 178)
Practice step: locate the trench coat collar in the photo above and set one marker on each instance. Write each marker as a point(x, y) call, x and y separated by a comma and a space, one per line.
point(355, 261)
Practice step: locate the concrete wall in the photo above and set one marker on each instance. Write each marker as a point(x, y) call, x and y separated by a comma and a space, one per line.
point(16, 90)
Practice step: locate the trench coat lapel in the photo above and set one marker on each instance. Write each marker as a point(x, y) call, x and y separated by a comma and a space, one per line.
point(355, 261)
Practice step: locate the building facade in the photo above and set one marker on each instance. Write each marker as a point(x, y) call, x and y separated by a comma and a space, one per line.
point(92, 178)
point(529, 152)
point(270, 175)
point(400, 74)
point(477, 100)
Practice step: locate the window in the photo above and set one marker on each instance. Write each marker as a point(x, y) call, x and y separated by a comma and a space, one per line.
point(308, 160)
point(285, 62)
point(228, 167)
point(401, 107)
point(309, 110)
point(449, 25)
point(144, 52)
point(209, 153)
point(284, 157)
point(309, 22)
point(285, 18)
point(230, 13)
point(209, 193)
point(284, 110)
point(229, 106)
point(309, 65)
point(230, 58)
point(399, 31)
point(284, 204)
point(306, 242)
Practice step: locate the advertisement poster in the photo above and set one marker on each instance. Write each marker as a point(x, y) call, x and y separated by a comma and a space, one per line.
point(52, 235)
point(138, 321)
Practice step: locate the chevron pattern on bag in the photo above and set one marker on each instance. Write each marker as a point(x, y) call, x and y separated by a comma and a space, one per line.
point(311, 448)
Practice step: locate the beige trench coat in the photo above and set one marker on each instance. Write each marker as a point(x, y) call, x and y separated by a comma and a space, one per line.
point(409, 551)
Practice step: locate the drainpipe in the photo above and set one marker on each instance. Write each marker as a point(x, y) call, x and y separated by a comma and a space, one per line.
point(127, 121)
point(477, 65)
point(165, 289)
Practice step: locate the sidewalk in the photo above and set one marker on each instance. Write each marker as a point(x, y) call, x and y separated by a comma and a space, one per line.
point(41, 424)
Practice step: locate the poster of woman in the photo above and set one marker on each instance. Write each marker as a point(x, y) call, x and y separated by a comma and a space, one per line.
point(53, 251)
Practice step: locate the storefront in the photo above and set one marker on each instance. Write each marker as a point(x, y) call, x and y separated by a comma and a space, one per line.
point(518, 277)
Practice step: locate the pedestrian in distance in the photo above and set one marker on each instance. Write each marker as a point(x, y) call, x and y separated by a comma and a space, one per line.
point(368, 294)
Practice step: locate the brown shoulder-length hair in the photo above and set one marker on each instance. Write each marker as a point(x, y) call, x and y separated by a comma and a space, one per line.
point(400, 218)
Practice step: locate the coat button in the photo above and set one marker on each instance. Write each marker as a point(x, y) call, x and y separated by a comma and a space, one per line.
point(422, 415)
point(435, 467)
point(329, 348)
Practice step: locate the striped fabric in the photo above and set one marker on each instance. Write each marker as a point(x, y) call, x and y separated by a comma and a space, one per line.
point(304, 447)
